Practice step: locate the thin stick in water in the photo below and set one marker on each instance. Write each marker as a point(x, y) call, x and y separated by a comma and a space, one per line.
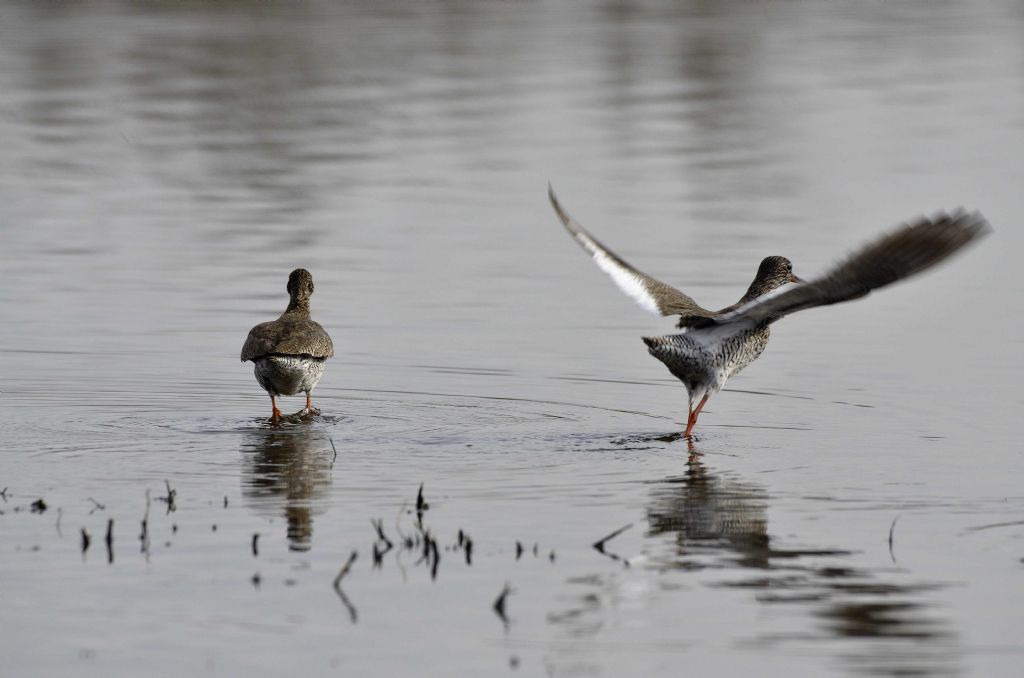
point(599, 544)
point(109, 539)
point(345, 568)
point(499, 603)
point(891, 528)
point(353, 615)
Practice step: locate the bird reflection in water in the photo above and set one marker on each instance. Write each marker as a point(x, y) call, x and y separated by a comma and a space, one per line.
point(710, 514)
point(289, 465)
point(720, 521)
point(705, 521)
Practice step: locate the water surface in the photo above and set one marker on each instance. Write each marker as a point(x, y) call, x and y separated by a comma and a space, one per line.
point(167, 165)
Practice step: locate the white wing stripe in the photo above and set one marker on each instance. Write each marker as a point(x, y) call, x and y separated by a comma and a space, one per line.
point(626, 280)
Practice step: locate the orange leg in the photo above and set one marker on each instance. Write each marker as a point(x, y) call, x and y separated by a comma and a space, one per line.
point(309, 405)
point(692, 421)
point(277, 413)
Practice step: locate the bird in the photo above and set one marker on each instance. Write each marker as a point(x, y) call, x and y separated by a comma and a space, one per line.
point(289, 353)
point(713, 346)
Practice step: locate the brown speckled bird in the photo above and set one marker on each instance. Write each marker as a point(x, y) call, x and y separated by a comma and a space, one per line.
point(715, 345)
point(289, 353)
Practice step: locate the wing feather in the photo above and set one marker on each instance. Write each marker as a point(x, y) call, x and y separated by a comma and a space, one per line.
point(652, 294)
point(287, 337)
point(906, 251)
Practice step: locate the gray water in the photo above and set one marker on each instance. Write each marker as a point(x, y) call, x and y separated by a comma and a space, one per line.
point(852, 504)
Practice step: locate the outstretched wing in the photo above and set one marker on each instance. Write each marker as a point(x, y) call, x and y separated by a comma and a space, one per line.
point(652, 294)
point(910, 249)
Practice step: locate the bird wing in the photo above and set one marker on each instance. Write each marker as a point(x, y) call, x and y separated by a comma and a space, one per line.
point(909, 249)
point(261, 340)
point(306, 337)
point(280, 337)
point(652, 294)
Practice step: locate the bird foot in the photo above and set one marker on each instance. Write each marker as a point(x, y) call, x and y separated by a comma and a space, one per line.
point(669, 437)
point(310, 412)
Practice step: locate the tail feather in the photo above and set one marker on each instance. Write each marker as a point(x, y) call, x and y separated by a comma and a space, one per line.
point(653, 341)
point(681, 353)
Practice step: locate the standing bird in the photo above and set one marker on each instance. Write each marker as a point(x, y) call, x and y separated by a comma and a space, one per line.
point(715, 345)
point(289, 353)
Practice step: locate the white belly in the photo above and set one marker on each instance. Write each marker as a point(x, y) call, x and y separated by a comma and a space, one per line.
point(288, 375)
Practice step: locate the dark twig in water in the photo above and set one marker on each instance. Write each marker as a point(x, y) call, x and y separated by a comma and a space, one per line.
point(437, 559)
point(86, 540)
point(352, 613)
point(378, 553)
point(425, 556)
point(341, 594)
point(345, 568)
point(499, 604)
point(3, 493)
point(255, 544)
point(96, 506)
point(378, 525)
point(421, 505)
point(225, 501)
point(599, 545)
point(519, 550)
point(536, 549)
point(468, 548)
point(551, 556)
point(169, 499)
point(144, 536)
point(891, 529)
point(38, 506)
point(109, 539)
point(335, 458)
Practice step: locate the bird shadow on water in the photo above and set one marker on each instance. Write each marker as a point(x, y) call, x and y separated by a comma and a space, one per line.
point(287, 468)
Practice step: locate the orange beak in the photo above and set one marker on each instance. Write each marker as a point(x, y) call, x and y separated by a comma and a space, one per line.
point(794, 279)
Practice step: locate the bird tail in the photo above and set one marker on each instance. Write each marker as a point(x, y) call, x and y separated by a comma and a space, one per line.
point(686, 358)
point(681, 351)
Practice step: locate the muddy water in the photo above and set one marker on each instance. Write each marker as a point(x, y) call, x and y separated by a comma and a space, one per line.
point(851, 504)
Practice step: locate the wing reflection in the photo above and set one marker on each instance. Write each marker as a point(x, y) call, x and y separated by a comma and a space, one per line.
point(703, 522)
point(289, 467)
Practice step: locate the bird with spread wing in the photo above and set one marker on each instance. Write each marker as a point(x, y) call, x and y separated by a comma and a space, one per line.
point(715, 345)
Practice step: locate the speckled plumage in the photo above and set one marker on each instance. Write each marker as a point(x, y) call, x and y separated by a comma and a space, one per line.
point(288, 374)
point(289, 353)
point(715, 345)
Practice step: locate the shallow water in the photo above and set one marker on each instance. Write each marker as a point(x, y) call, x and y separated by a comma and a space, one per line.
point(851, 504)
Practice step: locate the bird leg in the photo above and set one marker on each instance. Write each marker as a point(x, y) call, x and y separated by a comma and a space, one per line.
point(692, 420)
point(277, 413)
point(309, 406)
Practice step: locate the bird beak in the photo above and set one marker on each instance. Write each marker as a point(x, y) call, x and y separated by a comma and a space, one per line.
point(794, 279)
